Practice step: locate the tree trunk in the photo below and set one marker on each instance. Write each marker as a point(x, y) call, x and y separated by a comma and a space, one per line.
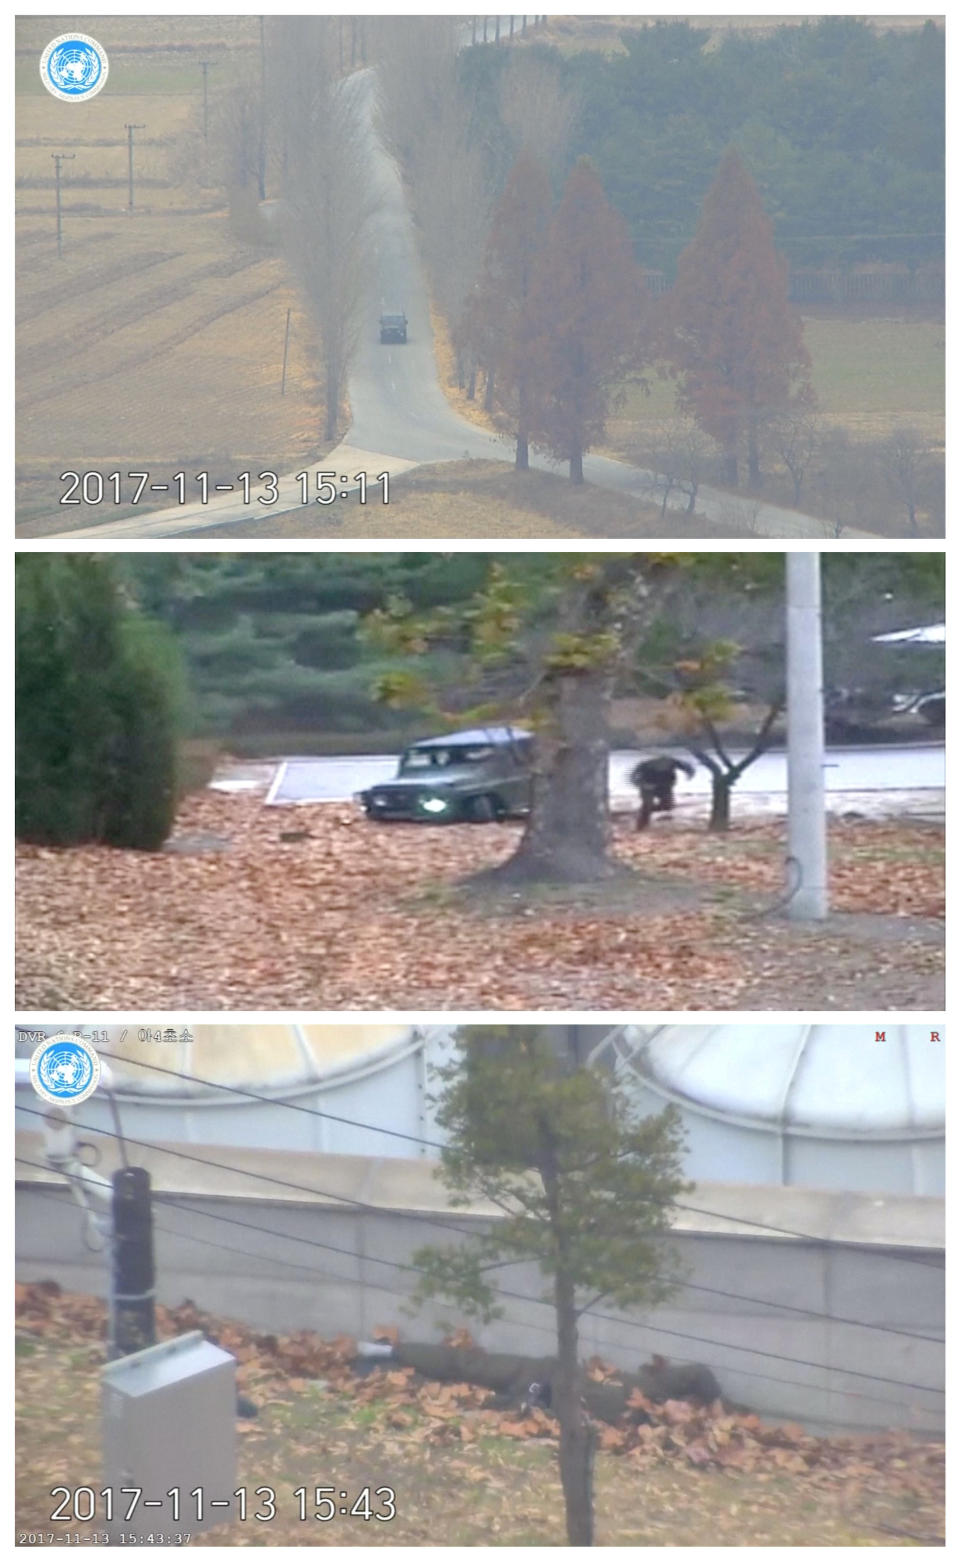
point(576, 467)
point(568, 830)
point(523, 453)
point(753, 454)
point(720, 802)
point(731, 468)
point(488, 392)
point(472, 383)
point(332, 388)
point(576, 1437)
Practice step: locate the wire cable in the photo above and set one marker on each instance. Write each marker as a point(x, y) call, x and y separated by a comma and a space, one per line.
point(542, 1302)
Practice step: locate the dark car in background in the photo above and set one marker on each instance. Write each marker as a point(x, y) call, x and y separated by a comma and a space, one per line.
point(393, 328)
point(479, 775)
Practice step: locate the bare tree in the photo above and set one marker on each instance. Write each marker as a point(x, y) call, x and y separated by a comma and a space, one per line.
point(681, 457)
point(427, 121)
point(539, 109)
point(454, 202)
point(327, 199)
point(417, 76)
point(905, 462)
point(228, 156)
point(795, 434)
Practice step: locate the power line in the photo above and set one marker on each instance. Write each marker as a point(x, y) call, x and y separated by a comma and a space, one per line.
point(434, 1144)
point(377, 1285)
point(541, 1302)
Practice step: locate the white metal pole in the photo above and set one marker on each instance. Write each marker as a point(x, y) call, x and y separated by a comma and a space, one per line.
point(805, 759)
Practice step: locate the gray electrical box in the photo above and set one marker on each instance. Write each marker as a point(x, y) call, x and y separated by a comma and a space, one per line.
point(169, 1430)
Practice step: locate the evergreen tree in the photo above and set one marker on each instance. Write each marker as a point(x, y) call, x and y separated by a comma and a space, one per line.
point(733, 335)
point(588, 313)
point(98, 705)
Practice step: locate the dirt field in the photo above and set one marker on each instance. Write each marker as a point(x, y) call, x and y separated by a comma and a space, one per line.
point(155, 343)
point(354, 915)
point(479, 499)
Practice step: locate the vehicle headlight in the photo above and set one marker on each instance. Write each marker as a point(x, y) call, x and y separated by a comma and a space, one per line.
point(434, 805)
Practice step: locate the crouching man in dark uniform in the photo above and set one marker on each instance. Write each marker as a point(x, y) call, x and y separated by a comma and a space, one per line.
point(655, 780)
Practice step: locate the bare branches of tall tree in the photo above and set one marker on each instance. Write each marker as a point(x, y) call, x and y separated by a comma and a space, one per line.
point(327, 199)
point(539, 109)
point(500, 320)
point(427, 121)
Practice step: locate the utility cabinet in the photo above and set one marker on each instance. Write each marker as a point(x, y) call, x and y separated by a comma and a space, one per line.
point(169, 1428)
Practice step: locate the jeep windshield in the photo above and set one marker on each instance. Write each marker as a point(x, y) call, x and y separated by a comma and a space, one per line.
point(428, 760)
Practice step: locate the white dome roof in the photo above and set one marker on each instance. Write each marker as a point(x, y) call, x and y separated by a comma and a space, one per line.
point(272, 1059)
point(825, 1079)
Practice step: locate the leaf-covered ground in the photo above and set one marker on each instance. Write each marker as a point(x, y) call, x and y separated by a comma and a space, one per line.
point(465, 1474)
point(350, 914)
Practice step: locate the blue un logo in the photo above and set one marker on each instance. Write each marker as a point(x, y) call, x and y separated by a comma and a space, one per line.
point(74, 67)
point(65, 1069)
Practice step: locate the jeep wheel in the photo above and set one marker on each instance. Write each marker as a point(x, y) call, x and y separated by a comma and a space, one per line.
point(481, 810)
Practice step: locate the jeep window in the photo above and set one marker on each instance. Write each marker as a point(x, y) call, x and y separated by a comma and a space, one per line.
point(424, 759)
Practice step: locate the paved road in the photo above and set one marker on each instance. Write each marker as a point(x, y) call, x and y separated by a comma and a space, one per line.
point(400, 414)
point(848, 770)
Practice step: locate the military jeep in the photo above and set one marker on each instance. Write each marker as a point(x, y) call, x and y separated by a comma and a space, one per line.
point(477, 776)
point(393, 328)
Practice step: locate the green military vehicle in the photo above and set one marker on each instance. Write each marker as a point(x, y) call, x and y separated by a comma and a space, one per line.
point(393, 328)
point(479, 775)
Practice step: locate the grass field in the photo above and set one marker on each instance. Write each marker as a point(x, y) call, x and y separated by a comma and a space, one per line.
point(870, 373)
point(155, 343)
point(469, 1477)
point(478, 499)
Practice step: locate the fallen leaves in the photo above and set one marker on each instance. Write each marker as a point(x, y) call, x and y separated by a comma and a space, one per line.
point(452, 1414)
point(363, 916)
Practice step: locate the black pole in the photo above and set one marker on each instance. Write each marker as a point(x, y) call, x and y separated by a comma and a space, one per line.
point(130, 129)
point(58, 158)
point(134, 1323)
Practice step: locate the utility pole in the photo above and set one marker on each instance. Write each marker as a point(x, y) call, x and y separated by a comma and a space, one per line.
point(807, 833)
point(130, 129)
point(133, 1273)
point(205, 66)
point(58, 158)
point(262, 150)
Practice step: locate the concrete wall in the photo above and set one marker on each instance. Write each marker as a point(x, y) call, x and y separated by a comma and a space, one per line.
point(766, 1309)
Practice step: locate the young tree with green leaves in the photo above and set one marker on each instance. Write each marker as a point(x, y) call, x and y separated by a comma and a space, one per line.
point(586, 1188)
point(734, 337)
